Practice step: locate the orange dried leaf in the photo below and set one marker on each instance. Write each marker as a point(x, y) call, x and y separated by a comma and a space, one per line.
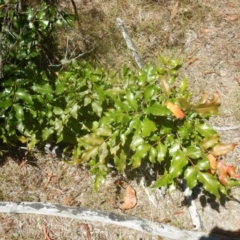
point(222, 149)
point(130, 199)
point(222, 173)
point(231, 172)
point(177, 112)
point(213, 162)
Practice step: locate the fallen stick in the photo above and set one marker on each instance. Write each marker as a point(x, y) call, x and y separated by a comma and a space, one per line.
point(135, 223)
point(129, 43)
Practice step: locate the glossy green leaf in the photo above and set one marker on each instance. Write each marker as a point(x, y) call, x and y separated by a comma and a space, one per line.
point(209, 142)
point(60, 88)
point(152, 154)
point(6, 103)
point(205, 130)
point(120, 161)
point(158, 110)
point(89, 153)
point(194, 152)
point(103, 152)
point(136, 141)
point(24, 95)
point(210, 183)
point(103, 131)
point(183, 85)
point(134, 124)
point(190, 175)
point(43, 89)
point(148, 127)
point(175, 146)
point(100, 92)
point(97, 108)
point(57, 111)
point(203, 164)
point(19, 113)
point(163, 181)
point(74, 110)
point(140, 153)
point(161, 151)
point(32, 142)
point(46, 133)
point(149, 92)
point(179, 161)
point(131, 99)
point(92, 139)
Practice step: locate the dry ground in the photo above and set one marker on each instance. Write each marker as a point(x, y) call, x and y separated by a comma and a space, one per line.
point(206, 36)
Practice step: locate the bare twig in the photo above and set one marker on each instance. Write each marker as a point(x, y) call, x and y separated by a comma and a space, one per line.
point(129, 43)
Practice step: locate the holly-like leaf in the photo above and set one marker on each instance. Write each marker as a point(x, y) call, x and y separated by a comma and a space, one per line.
point(213, 162)
point(141, 152)
point(148, 127)
point(190, 175)
point(6, 103)
point(178, 162)
point(46, 133)
point(120, 161)
point(102, 152)
point(165, 86)
point(24, 95)
point(222, 149)
point(205, 130)
point(149, 92)
point(158, 110)
point(60, 88)
point(208, 107)
point(222, 173)
point(177, 112)
point(194, 152)
point(103, 131)
point(92, 139)
point(97, 108)
point(203, 164)
point(131, 99)
point(74, 110)
point(161, 151)
point(209, 142)
point(19, 113)
point(210, 183)
point(231, 171)
point(136, 141)
point(162, 181)
point(89, 153)
point(57, 111)
point(43, 89)
point(183, 85)
point(153, 154)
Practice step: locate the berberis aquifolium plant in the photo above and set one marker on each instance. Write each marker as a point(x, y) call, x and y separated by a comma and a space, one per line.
point(145, 119)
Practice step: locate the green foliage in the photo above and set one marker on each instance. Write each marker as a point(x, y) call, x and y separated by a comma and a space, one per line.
point(128, 120)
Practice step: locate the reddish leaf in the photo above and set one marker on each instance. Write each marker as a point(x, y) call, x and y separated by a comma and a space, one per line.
point(177, 112)
point(222, 173)
point(231, 172)
point(222, 149)
point(130, 199)
point(213, 162)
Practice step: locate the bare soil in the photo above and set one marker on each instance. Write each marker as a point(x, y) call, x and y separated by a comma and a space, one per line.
point(206, 36)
